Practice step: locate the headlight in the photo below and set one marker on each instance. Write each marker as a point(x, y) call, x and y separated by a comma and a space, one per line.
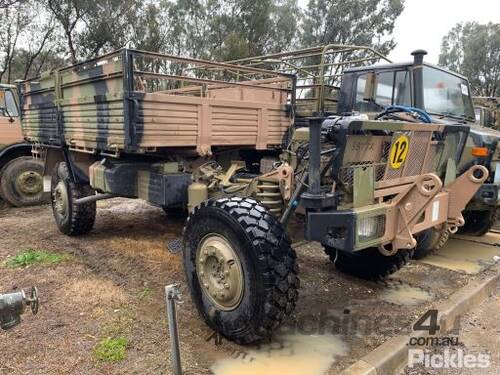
point(370, 228)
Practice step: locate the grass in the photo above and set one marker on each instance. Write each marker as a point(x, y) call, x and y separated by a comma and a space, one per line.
point(145, 293)
point(30, 257)
point(111, 350)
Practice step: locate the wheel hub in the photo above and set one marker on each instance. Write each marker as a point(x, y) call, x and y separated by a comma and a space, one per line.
point(29, 183)
point(60, 199)
point(219, 272)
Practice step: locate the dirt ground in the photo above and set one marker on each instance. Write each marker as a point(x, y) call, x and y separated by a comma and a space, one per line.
point(112, 286)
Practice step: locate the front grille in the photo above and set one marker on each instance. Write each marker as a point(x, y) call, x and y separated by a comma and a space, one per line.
point(419, 160)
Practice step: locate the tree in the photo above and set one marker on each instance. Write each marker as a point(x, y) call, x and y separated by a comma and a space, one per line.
point(69, 14)
point(39, 40)
point(359, 22)
point(473, 50)
point(151, 29)
point(12, 24)
point(108, 26)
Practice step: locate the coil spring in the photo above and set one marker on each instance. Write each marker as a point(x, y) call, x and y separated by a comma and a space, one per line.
point(268, 193)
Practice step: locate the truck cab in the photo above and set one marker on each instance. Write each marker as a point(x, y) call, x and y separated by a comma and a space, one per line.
point(446, 97)
point(20, 174)
point(10, 126)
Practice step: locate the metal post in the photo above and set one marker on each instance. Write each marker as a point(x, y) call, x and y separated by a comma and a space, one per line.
point(173, 296)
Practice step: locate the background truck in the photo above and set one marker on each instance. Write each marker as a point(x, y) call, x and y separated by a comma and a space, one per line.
point(339, 79)
point(20, 174)
point(487, 111)
point(221, 140)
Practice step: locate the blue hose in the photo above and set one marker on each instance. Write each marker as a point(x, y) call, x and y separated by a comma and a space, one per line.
point(424, 116)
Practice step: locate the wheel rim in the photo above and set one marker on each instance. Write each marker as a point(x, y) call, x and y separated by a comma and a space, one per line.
point(60, 199)
point(219, 272)
point(29, 183)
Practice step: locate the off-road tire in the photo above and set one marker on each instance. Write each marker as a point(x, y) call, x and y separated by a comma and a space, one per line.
point(478, 223)
point(176, 212)
point(9, 177)
point(430, 240)
point(369, 263)
point(78, 219)
point(267, 260)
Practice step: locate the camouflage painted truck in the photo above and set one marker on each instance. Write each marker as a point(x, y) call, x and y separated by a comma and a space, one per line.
point(220, 139)
point(20, 174)
point(340, 79)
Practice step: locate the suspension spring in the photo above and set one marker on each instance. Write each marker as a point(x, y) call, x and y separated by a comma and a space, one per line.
point(269, 194)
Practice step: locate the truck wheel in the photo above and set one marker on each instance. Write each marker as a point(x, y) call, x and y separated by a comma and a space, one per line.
point(21, 182)
point(478, 223)
point(176, 212)
point(71, 219)
point(368, 264)
point(240, 268)
point(430, 240)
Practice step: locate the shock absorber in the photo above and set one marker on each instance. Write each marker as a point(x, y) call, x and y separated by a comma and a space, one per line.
point(269, 194)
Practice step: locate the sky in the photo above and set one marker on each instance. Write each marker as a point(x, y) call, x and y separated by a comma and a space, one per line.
point(424, 23)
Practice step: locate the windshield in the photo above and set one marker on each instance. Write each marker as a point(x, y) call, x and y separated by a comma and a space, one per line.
point(446, 94)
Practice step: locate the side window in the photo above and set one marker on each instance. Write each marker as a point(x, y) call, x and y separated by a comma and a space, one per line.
point(383, 92)
point(10, 104)
point(360, 88)
point(361, 105)
point(402, 92)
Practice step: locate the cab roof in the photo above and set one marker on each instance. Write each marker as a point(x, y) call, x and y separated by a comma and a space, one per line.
point(403, 65)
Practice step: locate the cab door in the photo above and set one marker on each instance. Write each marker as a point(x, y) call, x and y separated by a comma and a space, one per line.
point(10, 125)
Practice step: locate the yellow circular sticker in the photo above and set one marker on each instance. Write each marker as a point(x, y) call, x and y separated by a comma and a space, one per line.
point(399, 150)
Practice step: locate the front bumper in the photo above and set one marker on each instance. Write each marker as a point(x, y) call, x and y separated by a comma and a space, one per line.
point(391, 225)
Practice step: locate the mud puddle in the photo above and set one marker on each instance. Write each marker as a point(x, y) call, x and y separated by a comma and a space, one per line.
point(405, 295)
point(490, 238)
point(464, 256)
point(288, 354)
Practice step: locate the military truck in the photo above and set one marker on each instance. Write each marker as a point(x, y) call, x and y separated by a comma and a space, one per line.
point(339, 79)
point(221, 140)
point(487, 111)
point(446, 97)
point(20, 174)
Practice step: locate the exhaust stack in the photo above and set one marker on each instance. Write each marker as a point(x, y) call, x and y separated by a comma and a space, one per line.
point(418, 56)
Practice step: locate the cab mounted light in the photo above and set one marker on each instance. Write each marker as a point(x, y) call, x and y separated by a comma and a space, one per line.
point(480, 151)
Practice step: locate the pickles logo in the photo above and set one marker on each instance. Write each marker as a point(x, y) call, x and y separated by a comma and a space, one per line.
point(399, 151)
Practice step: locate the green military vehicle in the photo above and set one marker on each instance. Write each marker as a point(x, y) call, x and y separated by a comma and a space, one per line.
point(339, 79)
point(20, 174)
point(487, 111)
point(224, 141)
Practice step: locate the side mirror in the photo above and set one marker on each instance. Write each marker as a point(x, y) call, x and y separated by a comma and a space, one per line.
point(371, 83)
